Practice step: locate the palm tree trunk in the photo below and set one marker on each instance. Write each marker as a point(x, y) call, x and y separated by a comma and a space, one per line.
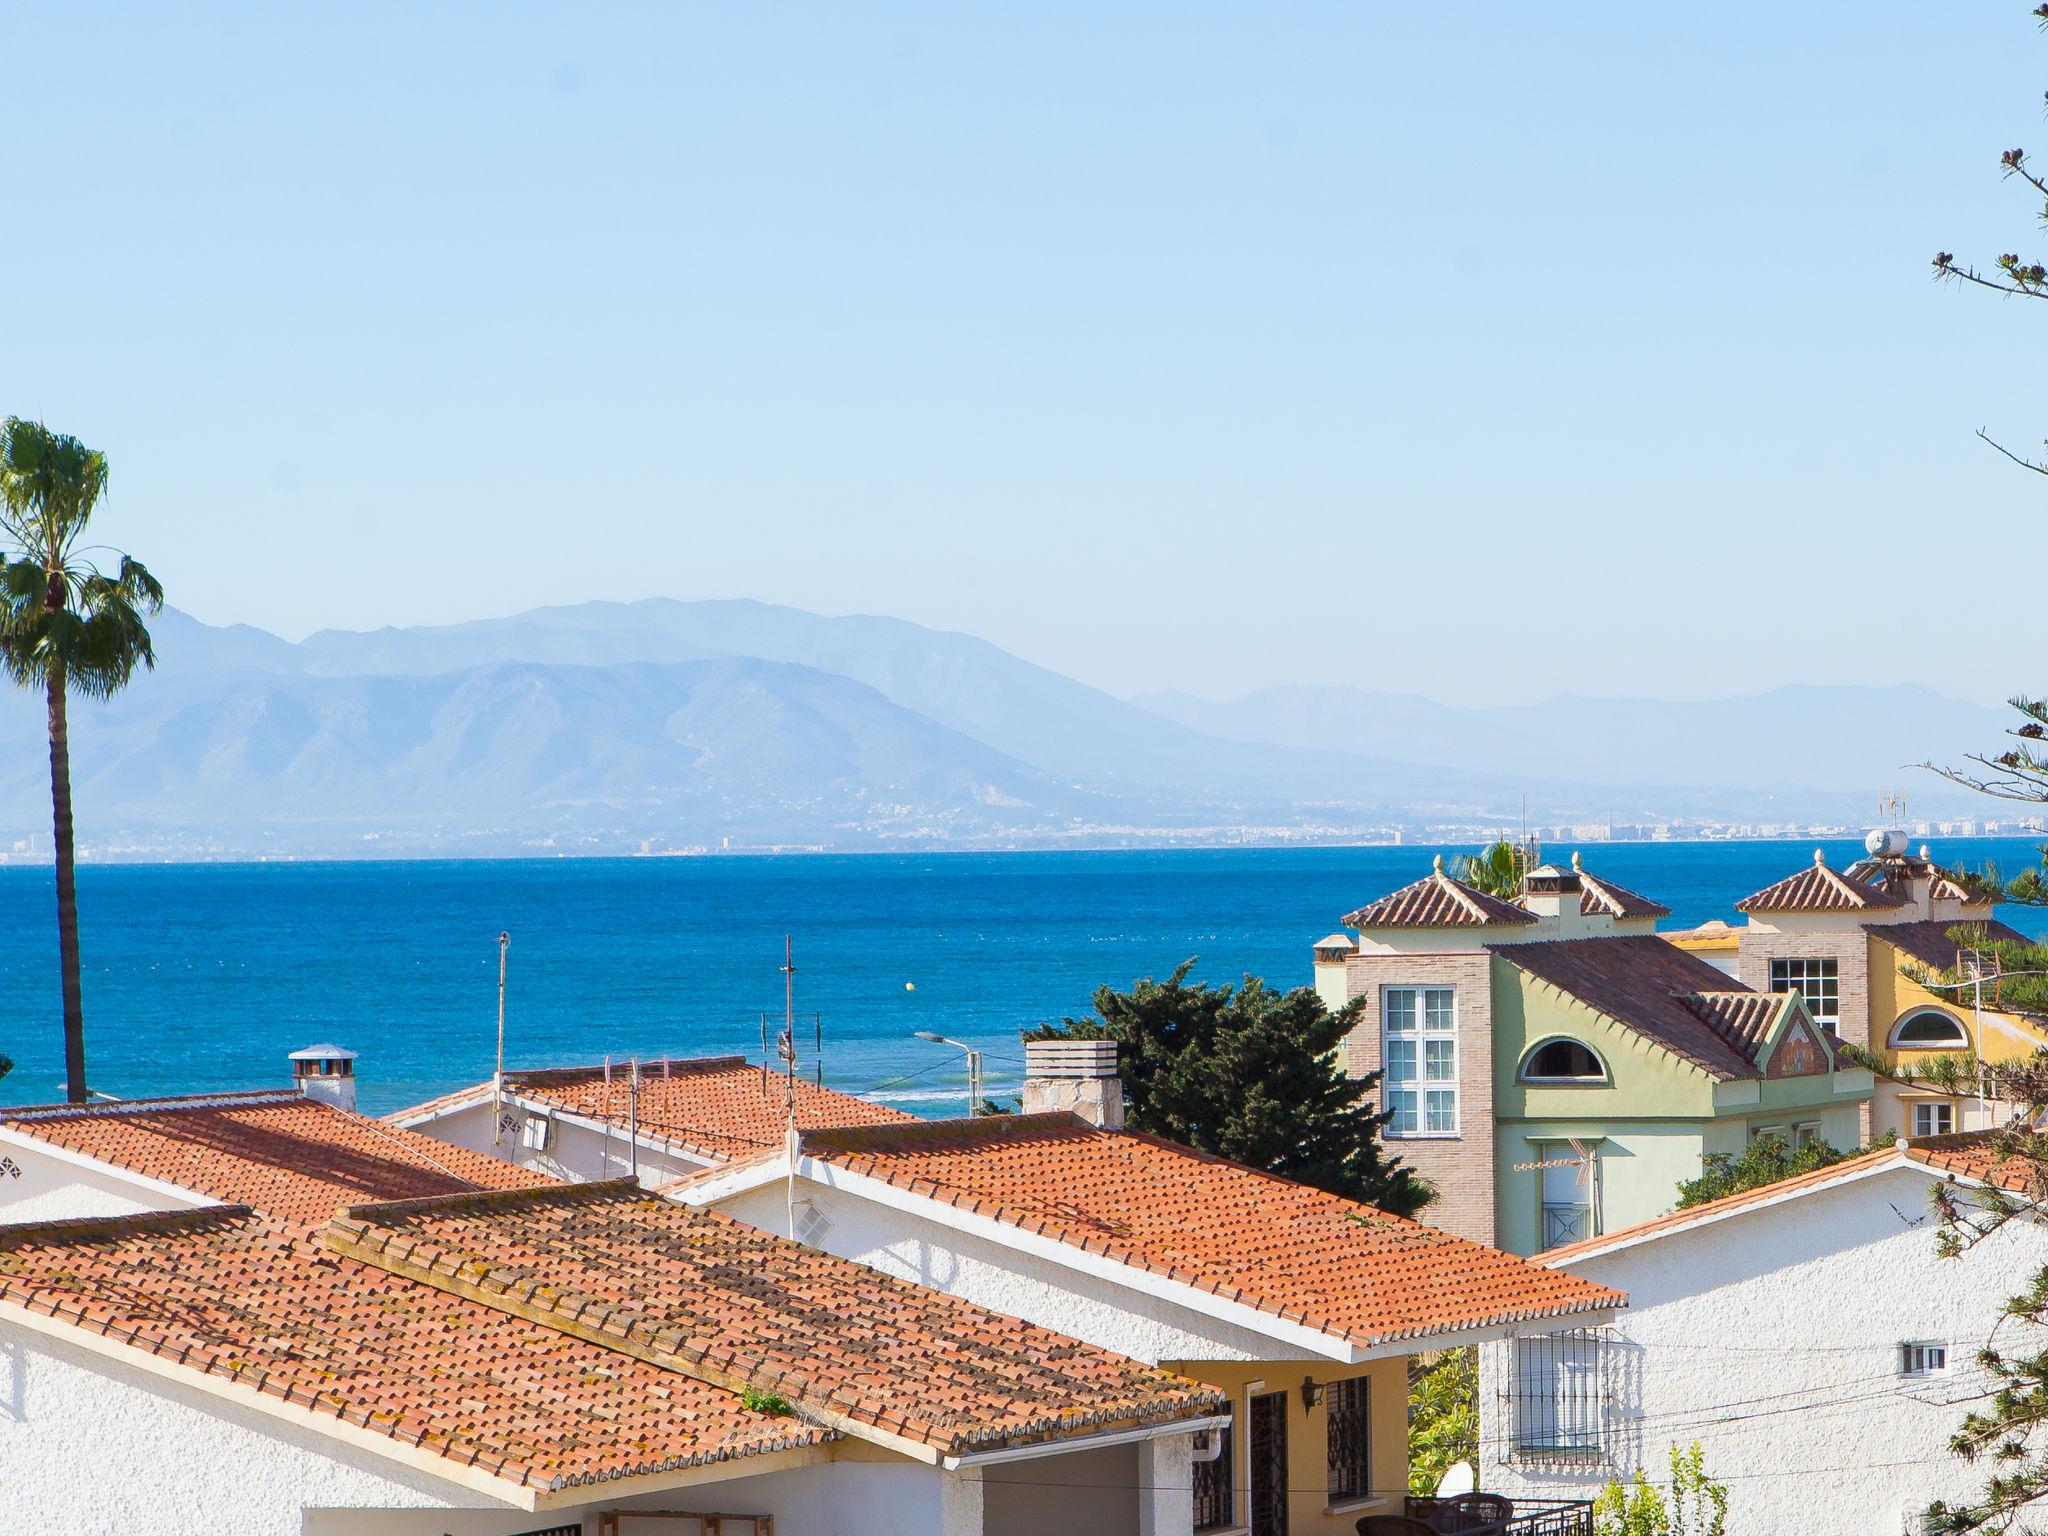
point(67, 892)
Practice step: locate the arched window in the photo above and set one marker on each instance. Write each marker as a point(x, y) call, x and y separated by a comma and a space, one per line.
point(1928, 1029)
point(1563, 1061)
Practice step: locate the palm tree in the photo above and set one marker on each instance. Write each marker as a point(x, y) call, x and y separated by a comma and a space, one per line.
point(1497, 869)
point(64, 625)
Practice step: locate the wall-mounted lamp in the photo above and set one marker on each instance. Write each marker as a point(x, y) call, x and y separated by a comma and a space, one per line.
point(1311, 1393)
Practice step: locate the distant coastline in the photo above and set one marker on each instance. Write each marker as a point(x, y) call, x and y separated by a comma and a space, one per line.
point(1422, 845)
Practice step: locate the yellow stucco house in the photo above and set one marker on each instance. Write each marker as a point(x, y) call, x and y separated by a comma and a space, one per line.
point(1852, 942)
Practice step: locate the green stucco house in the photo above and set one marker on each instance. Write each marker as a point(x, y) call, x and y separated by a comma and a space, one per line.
point(1555, 1067)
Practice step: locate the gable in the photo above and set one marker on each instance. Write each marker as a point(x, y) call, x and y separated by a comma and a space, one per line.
point(1799, 1051)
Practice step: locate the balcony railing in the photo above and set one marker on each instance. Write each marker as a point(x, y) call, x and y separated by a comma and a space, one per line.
point(1529, 1517)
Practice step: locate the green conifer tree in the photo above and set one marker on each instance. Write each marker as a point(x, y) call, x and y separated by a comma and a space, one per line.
point(1252, 1075)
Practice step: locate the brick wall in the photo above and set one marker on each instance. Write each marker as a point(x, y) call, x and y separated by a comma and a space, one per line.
point(1850, 950)
point(1461, 1166)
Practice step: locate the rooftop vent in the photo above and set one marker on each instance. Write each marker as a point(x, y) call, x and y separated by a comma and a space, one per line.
point(327, 1073)
point(1077, 1076)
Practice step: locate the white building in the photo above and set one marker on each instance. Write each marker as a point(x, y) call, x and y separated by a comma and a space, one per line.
point(1301, 1307)
point(1808, 1335)
point(263, 1313)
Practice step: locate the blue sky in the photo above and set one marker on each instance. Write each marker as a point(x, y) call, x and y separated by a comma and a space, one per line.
point(1480, 352)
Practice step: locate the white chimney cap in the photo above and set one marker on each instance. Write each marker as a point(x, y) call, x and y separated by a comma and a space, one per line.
point(324, 1053)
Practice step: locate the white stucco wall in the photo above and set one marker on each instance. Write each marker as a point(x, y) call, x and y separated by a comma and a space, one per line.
point(1773, 1338)
point(39, 1182)
point(576, 1152)
point(1006, 1280)
point(92, 1444)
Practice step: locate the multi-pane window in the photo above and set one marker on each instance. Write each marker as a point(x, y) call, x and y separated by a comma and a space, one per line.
point(1923, 1358)
point(1558, 1393)
point(1813, 979)
point(1931, 1117)
point(1350, 1431)
point(1419, 1034)
point(1215, 1492)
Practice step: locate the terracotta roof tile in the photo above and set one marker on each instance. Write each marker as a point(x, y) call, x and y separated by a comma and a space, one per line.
point(1599, 897)
point(1279, 1247)
point(1743, 1018)
point(1646, 985)
point(1930, 944)
point(1817, 888)
point(1438, 901)
point(232, 1294)
point(280, 1152)
point(715, 1106)
point(1976, 1155)
point(715, 1297)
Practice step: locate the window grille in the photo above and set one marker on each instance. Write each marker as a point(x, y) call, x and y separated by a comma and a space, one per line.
point(1813, 979)
point(1348, 1405)
point(1558, 1394)
point(1215, 1501)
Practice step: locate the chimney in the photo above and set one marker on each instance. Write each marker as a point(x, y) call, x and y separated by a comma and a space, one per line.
point(1553, 893)
point(326, 1073)
point(1078, 1076)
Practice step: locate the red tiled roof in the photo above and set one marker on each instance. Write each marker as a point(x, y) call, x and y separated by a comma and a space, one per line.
point(1267, 1243)
point(717, 1298)
point(1817, 888)
point(1743, 1018)
point(715, 1106)
point(1930, 944)
point(1438, 901)
point(280, 1152)
point(231, 1294)
point(1599, 897)
point(1647, 985)
point(1977, 1155)
point(353, 1316)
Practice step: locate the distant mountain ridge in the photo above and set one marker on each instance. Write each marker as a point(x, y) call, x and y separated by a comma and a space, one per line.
point(611, 727)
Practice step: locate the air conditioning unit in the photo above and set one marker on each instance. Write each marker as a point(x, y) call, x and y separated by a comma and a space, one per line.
point(537, 1133)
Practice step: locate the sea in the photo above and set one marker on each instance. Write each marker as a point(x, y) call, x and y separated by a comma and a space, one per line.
point(203, 977)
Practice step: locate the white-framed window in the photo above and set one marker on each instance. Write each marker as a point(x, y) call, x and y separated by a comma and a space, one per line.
point(1813, 979)
point(1923, 1357)
point(1933, 1117)
point(1929, 1029)
point(1563, 1060)
point(1419, 1044)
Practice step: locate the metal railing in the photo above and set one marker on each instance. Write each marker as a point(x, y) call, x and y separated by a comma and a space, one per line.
point(1531, 1517)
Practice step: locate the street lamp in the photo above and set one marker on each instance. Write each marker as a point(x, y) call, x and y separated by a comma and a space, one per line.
point(973, 1065)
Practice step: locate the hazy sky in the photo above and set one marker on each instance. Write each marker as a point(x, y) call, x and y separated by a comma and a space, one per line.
point(1485, 352)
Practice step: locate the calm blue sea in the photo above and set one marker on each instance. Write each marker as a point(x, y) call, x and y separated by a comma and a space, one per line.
point(203, 977)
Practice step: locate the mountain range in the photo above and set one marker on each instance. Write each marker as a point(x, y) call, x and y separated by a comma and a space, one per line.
point(665, 725)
